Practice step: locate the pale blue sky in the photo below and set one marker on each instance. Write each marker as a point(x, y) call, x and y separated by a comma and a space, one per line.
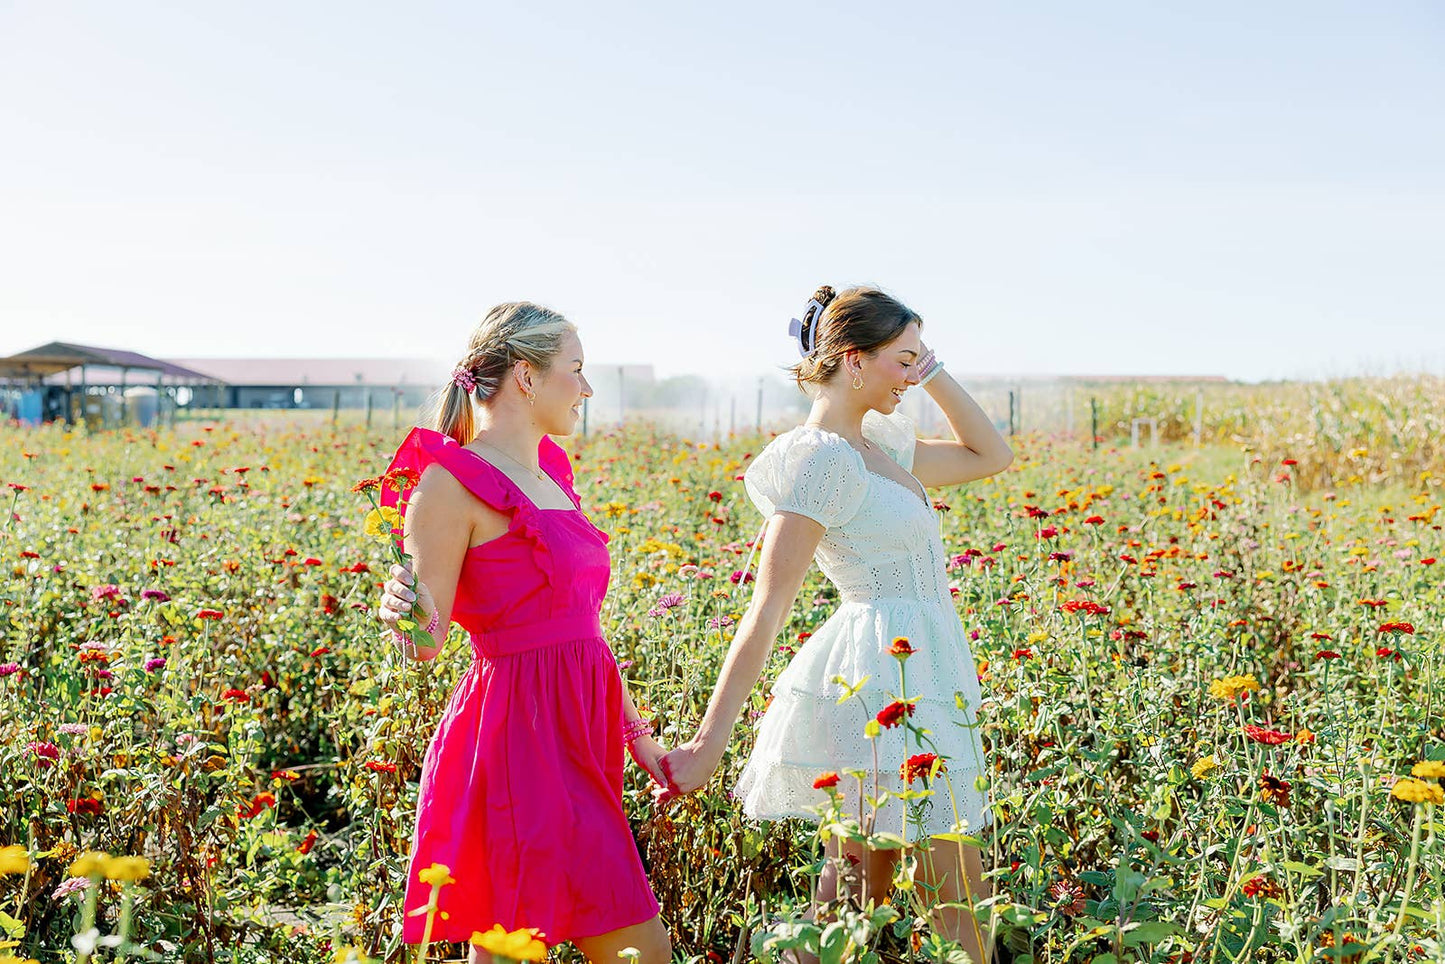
point(1248, 189)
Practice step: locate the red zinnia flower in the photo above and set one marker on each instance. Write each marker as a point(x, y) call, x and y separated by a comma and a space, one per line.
point(209, 614)
point(238, 695)
point(401, 479)
point(1407, 629)
point(1327, 654)
point(893, 714)
point(901, 647)
point(258, 803)
point(377, 766)
point(85, 805)
point(918, 765)
point(1085, 606)
point(825, 781)
point(1268, 737)
point(1262, 886)
point(305, 846)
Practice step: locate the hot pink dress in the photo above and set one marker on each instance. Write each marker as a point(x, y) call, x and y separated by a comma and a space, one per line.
point(521, 789)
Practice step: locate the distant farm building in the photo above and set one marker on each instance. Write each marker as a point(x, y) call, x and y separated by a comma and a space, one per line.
point(103, 386)
point(350, 383)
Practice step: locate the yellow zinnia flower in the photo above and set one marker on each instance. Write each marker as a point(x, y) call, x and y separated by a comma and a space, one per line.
point(127, 868)
point(1429, 768)
point(1204, 766)
point(438, 875)
point(1411, 790)
point(14, 860)
point(92, 863)
point(380, 521)
point(519, 945)
point(1232, 687)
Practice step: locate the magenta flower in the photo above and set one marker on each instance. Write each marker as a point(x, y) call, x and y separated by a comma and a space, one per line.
point(155, 595)
point(155, 663)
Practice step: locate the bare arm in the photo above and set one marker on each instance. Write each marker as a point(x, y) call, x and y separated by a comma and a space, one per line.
point(977, 449)
point(441, 518)
point(787, 554)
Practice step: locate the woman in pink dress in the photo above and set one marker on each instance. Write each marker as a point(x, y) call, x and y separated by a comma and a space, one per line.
point(521, 789)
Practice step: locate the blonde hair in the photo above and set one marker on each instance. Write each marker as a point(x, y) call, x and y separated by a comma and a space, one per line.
point(513, 332)
point(859, 319)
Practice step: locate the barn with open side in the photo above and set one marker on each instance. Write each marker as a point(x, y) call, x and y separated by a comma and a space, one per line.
point(105, 386)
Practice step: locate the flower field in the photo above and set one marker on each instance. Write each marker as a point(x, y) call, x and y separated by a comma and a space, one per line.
point(1212, 683)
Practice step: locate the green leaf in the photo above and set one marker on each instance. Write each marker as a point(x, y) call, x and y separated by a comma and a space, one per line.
point(850, 690)
point(13, 928)
point(1304, 870)
point(1149, 932)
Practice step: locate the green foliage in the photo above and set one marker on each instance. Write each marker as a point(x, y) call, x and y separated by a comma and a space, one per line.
point(268, 768)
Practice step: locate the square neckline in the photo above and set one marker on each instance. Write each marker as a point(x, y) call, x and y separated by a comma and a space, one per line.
point(920, 493)
point(572, 507)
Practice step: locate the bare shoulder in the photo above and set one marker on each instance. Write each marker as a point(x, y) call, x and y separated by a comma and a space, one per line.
point(441, 499)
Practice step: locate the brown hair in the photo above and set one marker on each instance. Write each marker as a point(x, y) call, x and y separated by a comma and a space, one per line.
point(513, 332)
point(860, 319)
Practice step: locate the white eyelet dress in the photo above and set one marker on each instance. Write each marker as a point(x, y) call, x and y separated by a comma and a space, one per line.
point(884, 553)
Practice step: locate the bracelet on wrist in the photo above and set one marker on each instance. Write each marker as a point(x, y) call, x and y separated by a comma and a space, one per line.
point(636, 729)
point(930, 367)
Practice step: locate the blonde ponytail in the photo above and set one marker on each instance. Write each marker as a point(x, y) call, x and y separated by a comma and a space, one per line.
point(512, 332)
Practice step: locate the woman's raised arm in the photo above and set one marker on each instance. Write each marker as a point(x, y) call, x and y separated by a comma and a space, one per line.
point(976, 451)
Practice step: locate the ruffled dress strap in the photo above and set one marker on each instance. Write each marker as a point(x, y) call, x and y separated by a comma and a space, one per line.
point(422, 448)
point(554, 460)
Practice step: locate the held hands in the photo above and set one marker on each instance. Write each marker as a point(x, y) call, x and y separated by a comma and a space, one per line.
point(648, 753)
point(686, 769)
point(398, 595)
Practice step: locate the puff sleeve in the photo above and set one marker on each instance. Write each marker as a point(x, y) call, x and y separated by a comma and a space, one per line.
point(810, 472)
point(895, 434)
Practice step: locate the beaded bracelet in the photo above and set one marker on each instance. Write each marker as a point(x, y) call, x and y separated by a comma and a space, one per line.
point(928, 366)
point(636, 729)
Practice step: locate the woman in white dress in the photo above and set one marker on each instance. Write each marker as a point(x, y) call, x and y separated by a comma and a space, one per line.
point(847, 487)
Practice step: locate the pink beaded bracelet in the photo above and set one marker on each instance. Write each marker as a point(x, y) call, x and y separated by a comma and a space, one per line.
point(928, 366)
point(636, 729)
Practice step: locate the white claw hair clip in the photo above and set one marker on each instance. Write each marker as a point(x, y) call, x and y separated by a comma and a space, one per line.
point(806, 335)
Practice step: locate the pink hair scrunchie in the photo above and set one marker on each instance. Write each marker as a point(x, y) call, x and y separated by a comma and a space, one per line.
point(464, 379)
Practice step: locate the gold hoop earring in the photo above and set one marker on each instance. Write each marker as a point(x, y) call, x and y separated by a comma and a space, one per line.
point(857, 382)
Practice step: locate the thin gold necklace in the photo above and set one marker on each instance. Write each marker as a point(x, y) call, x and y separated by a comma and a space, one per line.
point(515, 461)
